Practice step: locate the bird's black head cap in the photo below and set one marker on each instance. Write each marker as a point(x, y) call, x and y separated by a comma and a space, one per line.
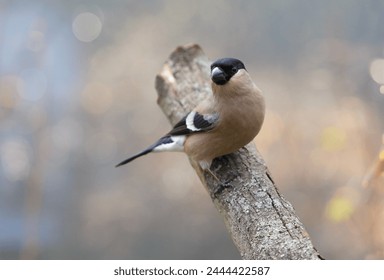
point(223, 69)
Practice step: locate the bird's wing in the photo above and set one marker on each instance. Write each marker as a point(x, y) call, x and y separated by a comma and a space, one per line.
point(174, 140)
point(195, 122)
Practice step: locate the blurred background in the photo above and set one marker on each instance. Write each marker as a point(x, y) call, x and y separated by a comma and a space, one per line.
point(77, 96)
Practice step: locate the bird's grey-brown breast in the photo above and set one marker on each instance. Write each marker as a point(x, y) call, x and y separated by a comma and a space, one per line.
point(238, 124)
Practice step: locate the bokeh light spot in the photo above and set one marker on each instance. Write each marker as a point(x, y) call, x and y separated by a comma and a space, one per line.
point(339, 209)
point(15, 159)
point(8, 91)
point(381, 155)
point(333, 138)
point(87, 27)
point(382, 89)
point(377, 70)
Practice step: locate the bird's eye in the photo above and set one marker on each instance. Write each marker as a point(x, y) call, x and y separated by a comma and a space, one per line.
point(234, 70)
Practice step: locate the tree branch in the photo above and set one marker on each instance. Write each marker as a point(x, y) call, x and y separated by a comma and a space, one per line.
point(262, 224)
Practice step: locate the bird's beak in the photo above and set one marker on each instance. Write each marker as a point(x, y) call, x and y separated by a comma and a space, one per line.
point(218, 76)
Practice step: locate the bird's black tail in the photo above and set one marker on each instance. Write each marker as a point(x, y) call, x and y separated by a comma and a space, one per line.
point(146, 151)
point(164, 141)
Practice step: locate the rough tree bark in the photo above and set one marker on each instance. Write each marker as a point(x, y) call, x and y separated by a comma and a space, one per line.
point(262, 224)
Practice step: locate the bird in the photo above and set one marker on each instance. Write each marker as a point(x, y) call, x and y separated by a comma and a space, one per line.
point(223, 123)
